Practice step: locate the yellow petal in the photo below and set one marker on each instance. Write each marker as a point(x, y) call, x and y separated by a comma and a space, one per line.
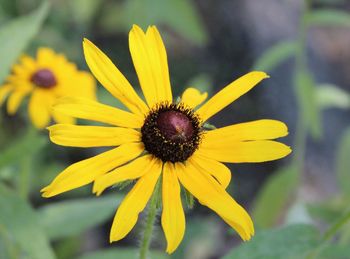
point(173, 217)
point(150, 61)
point(112, 79)
point(230, 93)
point(91, 136)
point(134, 202)
point(86, 171)
point(14, 100)
point(244, 152)
point(28, 62)
point(214, 168)
point(211, 194)
point(91, 110)
point(254, 130)
point(62, 118)
point(83, 85)
point(193, 97)
point(39, 108)
point(130, 171)
point(4, 91)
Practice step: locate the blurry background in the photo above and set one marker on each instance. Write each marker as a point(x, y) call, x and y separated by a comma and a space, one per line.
point(304, 47)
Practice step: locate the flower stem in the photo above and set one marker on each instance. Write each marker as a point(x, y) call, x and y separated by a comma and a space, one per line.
point(329, 234)
point(151, 216)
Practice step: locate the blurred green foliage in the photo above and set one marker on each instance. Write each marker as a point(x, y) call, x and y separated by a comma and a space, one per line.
point(27, 232)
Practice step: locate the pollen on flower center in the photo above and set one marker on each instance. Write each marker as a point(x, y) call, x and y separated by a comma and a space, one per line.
point(171, 132)
point(44, 78)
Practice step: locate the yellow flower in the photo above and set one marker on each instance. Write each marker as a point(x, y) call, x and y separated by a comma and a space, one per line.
point(161, 139)
point(46, 78)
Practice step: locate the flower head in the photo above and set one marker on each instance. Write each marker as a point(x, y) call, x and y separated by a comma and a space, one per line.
point(161, 137)
point(46, 78)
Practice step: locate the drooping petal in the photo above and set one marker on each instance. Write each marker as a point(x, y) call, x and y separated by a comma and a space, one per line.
point(39, 108)
point(4, 92)
point(151, 64)
point(14, 100)
point(173, 216)
point(244, 152)
point(133, 170)
point(86, 171)
point(112, 79)
point(92, 136)
point(211, 194)
point(91, 110)
point(254, 130)
point(193, 97)
point(214, 168)
point(134, 202)
point(230, 93)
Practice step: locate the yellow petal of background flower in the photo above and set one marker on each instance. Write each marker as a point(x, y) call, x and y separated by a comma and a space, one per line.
point(173, 217)
point(45, 57)
point(14, 100)
point(133, 170)
point(193, 97)
point(151, 64)
point(86, 171)
point(39, 108)
point(254, 130)
point(62, 118)
point(214, 168)
point(28, 62)
point(244, 152)
point(134, 202)
point(211, 194)
point(92, 136)
point(83, 85)
point(230, 93)
point(91, 110)
point(112, 79)
point(4, 92)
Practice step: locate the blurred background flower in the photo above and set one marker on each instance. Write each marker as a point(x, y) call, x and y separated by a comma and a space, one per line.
point(299, 204)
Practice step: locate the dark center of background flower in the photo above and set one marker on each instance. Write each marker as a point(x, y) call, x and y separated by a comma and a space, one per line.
point(44, 78)
point(171, 132)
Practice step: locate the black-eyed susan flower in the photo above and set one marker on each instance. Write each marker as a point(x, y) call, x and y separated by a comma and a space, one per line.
point(162, 139)
point(46, 78)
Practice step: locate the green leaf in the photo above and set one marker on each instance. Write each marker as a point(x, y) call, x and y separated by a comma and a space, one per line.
point(84, 10)
point(67, 218)
point(335, 251)
point(157, 12)
point(22, 223)
point(331, 96)
point(274, 196)
point(290, 242)
point(307, 98)
point(275, 55)
point(328, 17)
point(16, 35)
point(121, 253)
point(343, 163)
point(28, 144)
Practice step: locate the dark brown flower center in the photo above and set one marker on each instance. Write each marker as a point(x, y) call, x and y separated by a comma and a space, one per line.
point(44, 78)
point(171, 132)
point(175, 126)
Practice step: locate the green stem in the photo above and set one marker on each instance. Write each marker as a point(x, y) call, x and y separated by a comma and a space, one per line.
point(24, 177)
point(301, 65)
point(329, 234)
point(151, 216)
